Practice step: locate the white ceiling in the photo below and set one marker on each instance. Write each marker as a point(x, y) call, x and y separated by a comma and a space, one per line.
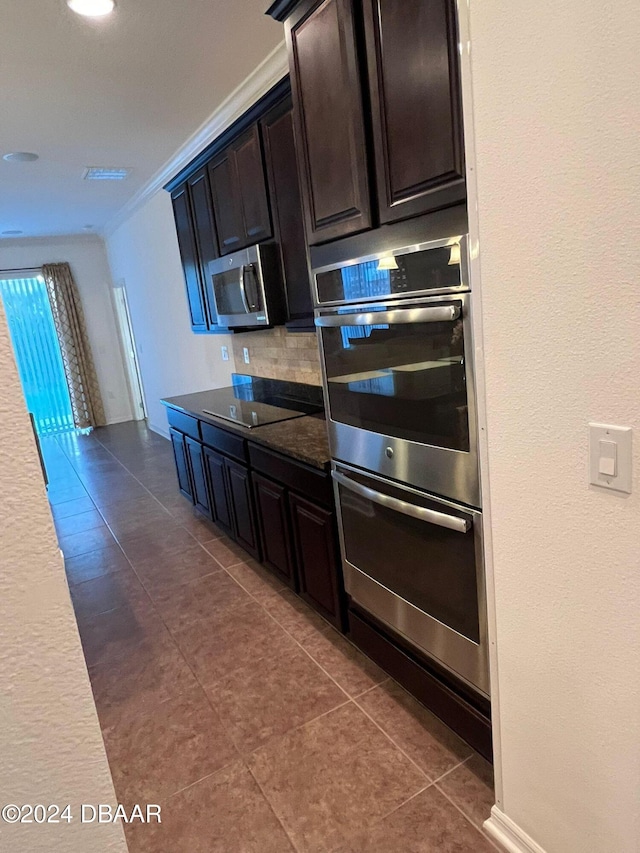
point(127, 90)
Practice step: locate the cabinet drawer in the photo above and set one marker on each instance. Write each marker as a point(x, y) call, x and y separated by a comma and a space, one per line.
point(224, 441)
point(184, 423)
point(310, 482)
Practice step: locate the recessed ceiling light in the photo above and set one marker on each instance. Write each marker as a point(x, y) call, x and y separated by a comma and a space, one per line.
point(105, 173)
point(11, 233)
point(20, 157)
point(92, 8)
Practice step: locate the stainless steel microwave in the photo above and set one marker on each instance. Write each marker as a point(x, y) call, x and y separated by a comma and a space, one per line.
point(247, 287)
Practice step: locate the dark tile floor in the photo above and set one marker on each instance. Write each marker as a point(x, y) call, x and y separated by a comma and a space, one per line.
point(221, 696)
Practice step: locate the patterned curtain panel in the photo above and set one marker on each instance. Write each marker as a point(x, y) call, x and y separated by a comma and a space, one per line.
point(79, 368)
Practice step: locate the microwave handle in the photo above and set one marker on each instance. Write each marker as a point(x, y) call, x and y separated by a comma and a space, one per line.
point(243, 291)
point(452, 522)
point(439, 314)
point(251, 301)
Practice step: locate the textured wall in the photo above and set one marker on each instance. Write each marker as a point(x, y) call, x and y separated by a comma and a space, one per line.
point(87, 257)
point(279, 354)
point(557, 113)
point(50, 743)
point(173, 360)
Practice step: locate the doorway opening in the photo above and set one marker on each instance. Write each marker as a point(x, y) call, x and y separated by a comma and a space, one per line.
point(129, 352)
point(37, 352)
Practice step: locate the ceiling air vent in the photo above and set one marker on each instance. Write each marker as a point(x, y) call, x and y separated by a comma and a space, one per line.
point(105, 173)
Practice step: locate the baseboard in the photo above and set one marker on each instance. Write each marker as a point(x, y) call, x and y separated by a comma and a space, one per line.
point(163, 431)
point(121, 419)
point(507, 835)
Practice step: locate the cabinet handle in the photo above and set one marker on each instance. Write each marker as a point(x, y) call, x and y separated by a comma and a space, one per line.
point(257, 229)
point(431, 516)
point(230, 241)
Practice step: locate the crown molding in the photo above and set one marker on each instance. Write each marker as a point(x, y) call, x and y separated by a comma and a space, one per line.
point(271, 70)
point(281, 9)
point(50, 240)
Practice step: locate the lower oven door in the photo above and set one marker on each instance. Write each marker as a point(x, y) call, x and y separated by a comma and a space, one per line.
point(415, 563)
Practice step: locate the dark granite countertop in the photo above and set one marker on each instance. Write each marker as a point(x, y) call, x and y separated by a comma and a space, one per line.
point(303, 438)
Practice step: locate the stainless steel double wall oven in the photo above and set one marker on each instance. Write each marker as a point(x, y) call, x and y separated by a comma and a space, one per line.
point(397, 349)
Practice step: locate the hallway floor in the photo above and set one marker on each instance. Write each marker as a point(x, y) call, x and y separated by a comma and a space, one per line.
point(224, 698)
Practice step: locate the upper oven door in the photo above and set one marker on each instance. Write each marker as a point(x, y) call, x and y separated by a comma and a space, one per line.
point(400, 391)
point(428, 268)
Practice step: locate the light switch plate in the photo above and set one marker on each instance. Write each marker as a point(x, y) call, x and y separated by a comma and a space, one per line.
point(245, 355)
point(225, 353)
point(601, 455)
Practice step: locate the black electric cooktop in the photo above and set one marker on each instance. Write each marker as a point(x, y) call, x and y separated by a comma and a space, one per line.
point(253, 401)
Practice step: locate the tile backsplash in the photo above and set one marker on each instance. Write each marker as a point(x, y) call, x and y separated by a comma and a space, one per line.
point(278, 354)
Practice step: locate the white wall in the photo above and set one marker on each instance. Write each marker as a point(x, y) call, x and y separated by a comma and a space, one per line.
point(557, 113)
point(143, 252)
point(50, 742)
point(87, 257)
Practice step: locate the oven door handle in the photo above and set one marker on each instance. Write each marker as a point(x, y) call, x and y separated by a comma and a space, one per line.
point(452, 522)
point(433, 314)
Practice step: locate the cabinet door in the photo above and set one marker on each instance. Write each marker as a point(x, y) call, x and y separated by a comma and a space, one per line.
point(205, 236)
point(328, 114)
point(182, 466)
point(412, 50)
point(244, 516)
point(273, 521)
point(220, 504)
point(198, 478)
point(286, 207)
point(227, 205)
point(316, 550)
point(189, 256)
point(252, 187)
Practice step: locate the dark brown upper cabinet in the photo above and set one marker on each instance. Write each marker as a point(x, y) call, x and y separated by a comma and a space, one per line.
point(412, 59)
point(190, 262)
point(205, 236)
point(226, 202)
point(286, 206)
point(329, 119)
point(252, 186)
point(239, 193)
point(377, 110)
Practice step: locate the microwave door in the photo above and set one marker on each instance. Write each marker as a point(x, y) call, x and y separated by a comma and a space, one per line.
point(228, 294)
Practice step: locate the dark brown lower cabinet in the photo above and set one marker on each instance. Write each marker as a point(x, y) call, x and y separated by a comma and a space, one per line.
point(244, 516)
point(273, 519)
point(182, 466)
point(317, 558)
point(278, 509)
point(198, 477)
point(221, 511)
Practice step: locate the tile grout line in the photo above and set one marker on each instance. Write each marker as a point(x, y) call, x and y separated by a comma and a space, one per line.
point(451, 769)
point(397, 746)
point(378, 820)
point(466, 816)
point(140, 483)
point(272, 808)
